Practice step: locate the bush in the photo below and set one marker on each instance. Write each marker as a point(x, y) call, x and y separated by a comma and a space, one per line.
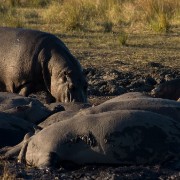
point(9, 17)
point(26, 3)
point(158, 13)
point(72, 15)
point(122, 38)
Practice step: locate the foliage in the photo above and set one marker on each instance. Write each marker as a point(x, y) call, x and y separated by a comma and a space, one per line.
point(95, 15)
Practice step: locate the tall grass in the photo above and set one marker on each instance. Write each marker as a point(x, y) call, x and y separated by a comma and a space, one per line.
point(71, 14)
point(104, 15)
point(80, 14)
point(158, 13)
point(25, 3)
point(9, 17)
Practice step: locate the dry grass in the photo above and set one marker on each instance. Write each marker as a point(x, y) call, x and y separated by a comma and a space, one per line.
point(94, 15)
point(82, 14)
point(9, 17)
point(5, 174)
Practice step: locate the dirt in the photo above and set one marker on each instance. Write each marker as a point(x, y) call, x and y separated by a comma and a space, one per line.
point(146, 61)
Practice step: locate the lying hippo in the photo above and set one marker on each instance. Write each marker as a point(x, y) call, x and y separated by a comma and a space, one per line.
point(27, 108)
point(162, 106)
point(168, 90)
point(128, 101)
point(33, 60)
point(115, 137)
point(13, 129)
point(127, 96)
point(71, 109)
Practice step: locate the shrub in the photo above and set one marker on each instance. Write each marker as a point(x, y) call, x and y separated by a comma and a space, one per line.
point(26, 3)
point(122, 38)
point(160, 23)
point(9, 17)
point(72, 15)
point(158, 13)
point(107, 26)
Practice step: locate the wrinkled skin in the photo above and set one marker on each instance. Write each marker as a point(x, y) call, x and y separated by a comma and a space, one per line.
point(166, 107)
point(127, 101)
point(12, 129)
point(128, 96)
point(27, 108)
point(32, 61)
point(168, 90)
point(114, 137)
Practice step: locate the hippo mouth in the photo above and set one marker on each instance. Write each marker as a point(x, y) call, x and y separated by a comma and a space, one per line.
point(72, 96)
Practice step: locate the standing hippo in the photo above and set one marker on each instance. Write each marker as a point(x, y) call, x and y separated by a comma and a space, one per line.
point(32, 60)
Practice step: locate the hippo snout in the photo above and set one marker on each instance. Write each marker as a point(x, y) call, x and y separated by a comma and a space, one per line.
point(73, 96)
point(156, 92)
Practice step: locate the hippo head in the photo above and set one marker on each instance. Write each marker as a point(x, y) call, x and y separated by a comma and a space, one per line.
point(156, 92)
point(69, 86)
point(63, 74)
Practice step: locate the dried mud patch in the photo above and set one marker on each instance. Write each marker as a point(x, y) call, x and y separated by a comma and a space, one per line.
point(12, 170)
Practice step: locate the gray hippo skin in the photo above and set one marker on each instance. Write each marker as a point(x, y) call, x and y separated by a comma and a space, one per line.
point(27, 108)
point(168, 90)
point(71, 109)
point(33, 60)
point(13, 129)
point(127, 96)
point(166, 107)
point(128, 101)
point(115, 137)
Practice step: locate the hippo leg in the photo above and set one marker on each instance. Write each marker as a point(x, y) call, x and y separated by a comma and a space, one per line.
point(25, 89)
point(10, 86)
point(21, 156)
point(10, 152)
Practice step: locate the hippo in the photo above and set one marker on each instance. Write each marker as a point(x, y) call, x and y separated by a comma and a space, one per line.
point(166, 107)
point(130, 137)
point(128, 101)
point(33, 61)
point(129, 95)
point(27, 108)
point(71, 109)
point(168, 90)
point(13, 129)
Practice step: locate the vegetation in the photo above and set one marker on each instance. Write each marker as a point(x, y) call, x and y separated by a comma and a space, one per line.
point(94, 15)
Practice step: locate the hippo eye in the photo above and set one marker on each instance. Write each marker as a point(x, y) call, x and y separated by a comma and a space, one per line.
point(72, 87)
point(63, 79)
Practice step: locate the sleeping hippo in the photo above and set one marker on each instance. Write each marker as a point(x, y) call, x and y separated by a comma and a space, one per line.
point(27, 108)
point(168, 90)
point(166, 107)
point(128, 101)
point(32, 60)
point(133, 137)
point(71, 109)
point(13, 129)
point(128, 96)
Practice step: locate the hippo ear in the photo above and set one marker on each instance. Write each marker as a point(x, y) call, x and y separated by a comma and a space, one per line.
point(44, 57)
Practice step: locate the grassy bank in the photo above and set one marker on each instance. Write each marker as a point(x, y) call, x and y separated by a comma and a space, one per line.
point(92, 15)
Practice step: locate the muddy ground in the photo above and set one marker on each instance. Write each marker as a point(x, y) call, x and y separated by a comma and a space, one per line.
point(145, 61)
